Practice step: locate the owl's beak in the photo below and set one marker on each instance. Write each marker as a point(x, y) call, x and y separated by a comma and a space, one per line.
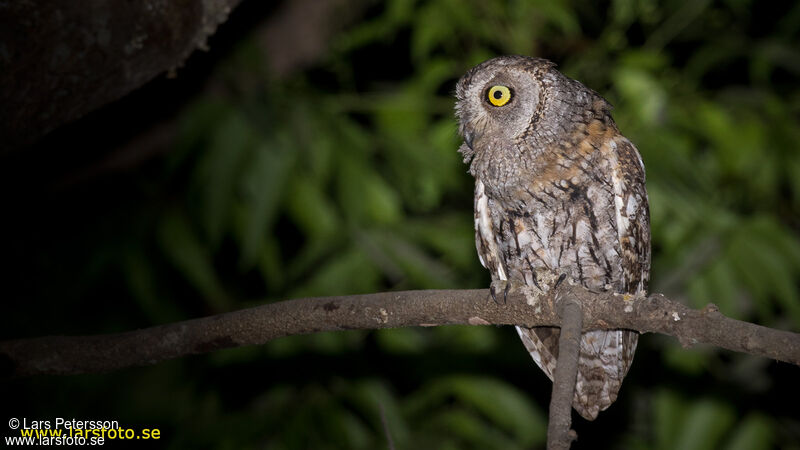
point(469, 136)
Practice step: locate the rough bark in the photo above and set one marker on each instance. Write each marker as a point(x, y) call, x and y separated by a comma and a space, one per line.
point(559, 434)
point(62, 59)
point(61, 355)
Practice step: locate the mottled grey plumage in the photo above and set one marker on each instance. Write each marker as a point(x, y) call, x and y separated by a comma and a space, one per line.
point(559, 189)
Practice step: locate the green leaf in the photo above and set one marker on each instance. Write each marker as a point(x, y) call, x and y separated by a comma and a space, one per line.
point(401, 340)
point(216, 177)
point(414, 263)
point(196, 123)
point(263, 183)
point(143, 284)
point(668, 409)
point(182, 247)
point(350, 272)
point(467, 339)
point(449, 236)
point(365, 195)
point(754, 433)
point(472, 431)
point(704, 426)
point(692, 361)
point(641, 90)
point(429, 30)
point(311, 208)
point(379, 405)
point(765, 273)
point(500, 403)
point(560, 14)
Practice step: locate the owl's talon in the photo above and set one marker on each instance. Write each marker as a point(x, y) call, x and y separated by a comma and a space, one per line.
point(496, 287)
point(536, 282)
point(493, 293)
point(560, 279)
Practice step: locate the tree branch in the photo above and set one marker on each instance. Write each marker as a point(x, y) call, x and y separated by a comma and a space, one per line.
point(63, 59)
point(559, 434)
point(62, 355)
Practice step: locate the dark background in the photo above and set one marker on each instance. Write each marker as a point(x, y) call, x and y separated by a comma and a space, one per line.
point(264, 172)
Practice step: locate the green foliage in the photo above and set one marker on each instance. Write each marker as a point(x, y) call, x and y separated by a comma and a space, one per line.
point(704, 424)
point(345, 179)
point(476, 412)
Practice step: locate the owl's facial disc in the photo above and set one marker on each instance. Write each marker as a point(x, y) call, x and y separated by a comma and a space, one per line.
point(503, 107)
point(496, 102)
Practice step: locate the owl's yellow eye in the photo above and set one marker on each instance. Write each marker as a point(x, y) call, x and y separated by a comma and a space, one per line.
point(499, 95)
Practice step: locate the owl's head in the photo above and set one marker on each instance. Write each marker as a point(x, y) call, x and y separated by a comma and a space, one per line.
point(517, 101)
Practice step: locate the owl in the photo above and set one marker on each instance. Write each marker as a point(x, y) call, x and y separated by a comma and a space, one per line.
point(558, 190)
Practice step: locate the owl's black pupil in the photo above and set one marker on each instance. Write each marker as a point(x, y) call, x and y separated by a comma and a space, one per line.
point(498, 95)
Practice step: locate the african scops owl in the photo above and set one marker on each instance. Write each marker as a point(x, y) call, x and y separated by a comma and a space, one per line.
point(558, 189)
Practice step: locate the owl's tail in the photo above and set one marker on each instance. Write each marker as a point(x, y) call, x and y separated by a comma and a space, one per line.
point(605, 357)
